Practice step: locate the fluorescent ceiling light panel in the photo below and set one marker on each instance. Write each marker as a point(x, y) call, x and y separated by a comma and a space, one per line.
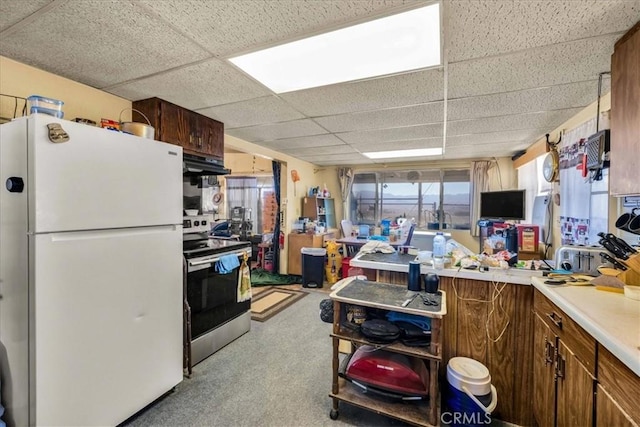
point(418, 152)
point(397, 43)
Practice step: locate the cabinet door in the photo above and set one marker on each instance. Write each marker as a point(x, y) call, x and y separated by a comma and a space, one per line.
point(625, 114)
point(575, 390)
point(330, 213)
point(309, 208)
point(544, 347)
point(608, 413)
point(213, 138)
point(175, 125)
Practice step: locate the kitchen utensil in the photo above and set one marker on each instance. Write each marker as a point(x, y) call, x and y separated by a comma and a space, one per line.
point(617, 264)
point(625, 220)
point(408, 300)
point(135, 128)
point(621, 242)
point(618, 242)
point(613, 248)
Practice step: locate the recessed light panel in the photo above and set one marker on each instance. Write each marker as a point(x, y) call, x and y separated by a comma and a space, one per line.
point(397, 43)
point(418, 152)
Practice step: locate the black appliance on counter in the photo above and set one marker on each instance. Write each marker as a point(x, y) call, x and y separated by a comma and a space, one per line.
point(212, 314)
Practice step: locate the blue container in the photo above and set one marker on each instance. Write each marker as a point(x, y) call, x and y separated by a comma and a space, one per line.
point(469, 397)
point(461, 410)
point(385, 226)
point(413, 280)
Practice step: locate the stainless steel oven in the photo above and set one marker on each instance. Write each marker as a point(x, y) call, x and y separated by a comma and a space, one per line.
point(216, 317)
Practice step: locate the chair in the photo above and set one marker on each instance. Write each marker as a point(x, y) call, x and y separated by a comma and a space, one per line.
point(409, 235)
point(347, 227)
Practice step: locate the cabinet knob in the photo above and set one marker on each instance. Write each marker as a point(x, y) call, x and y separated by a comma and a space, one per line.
point(15, 184)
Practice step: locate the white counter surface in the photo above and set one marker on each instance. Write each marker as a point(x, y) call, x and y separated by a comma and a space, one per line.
point(511, 275)
point(611, 318)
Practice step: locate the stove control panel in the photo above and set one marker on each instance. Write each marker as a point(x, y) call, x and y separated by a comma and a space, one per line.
point(197, 224)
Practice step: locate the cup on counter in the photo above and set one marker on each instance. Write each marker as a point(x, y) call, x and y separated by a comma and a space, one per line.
point(413, 280)
point(431, 283)
point(438, 263)
point(424, 257)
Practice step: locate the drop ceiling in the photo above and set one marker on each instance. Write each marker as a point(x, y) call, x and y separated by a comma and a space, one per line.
point(513, 70)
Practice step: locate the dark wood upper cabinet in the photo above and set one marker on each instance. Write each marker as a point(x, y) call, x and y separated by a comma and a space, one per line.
point(625, 114)
point(195, 133)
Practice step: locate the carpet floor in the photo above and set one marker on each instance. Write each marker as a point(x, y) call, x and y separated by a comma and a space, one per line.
point(278, 374)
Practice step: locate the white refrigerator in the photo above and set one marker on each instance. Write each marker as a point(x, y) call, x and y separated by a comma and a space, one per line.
point(90, 273)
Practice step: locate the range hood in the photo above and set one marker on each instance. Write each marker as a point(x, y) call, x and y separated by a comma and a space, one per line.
point(201, 166)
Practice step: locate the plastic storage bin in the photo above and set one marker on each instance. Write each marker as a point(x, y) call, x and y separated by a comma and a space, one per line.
point(40, 104)
point(313, 267)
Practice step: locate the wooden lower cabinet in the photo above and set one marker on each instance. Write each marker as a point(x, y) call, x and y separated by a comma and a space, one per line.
point(620, 385)
point(574, 390)
point(544, 381)
point(609, 413)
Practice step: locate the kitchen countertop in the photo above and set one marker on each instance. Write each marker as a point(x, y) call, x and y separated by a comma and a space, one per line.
point(611, 318)
point(400, 263)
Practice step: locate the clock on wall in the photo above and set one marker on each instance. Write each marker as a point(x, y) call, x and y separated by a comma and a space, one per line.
point(551, 165)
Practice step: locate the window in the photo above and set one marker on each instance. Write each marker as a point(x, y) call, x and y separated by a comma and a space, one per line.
point(434, 198)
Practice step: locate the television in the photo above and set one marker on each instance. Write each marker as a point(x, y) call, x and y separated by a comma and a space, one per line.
point(502, 204)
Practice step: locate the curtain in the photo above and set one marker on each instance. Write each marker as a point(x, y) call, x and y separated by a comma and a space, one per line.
point(528, 181)
point(345, 176)
point(243, 191)
point(575, 191)
point(479, 184)
point(277, 172)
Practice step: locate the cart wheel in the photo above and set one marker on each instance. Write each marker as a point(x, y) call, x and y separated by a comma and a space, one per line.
point(334, 414)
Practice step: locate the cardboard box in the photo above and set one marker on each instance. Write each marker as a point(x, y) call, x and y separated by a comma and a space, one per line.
point(528, 237)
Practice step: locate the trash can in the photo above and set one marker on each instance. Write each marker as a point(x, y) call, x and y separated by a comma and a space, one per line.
point(313, 267)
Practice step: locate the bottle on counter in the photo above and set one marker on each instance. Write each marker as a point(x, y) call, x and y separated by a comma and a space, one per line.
point(439, 250)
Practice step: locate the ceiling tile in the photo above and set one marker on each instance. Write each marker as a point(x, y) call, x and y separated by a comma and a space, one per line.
point(274, 131)
point(252, 112)
point(515, 136)
point(566, 63)
point(399, 145)
point(503, 149)
point(339, 162)
point(306, 142)
point(334, 157)
point(574, 95)
point(318, 151)
point(384, 119)
point(206, 84)
point(394, 91)
point(228, 27)
point(393, 134)
point(81, 41)
point(483, 28)
point(542, 120)
point(13, 12)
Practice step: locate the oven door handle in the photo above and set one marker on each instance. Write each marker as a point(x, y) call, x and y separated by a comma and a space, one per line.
point(215, 259)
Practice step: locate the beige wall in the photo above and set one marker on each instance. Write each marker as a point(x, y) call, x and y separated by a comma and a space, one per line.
point(79, 100)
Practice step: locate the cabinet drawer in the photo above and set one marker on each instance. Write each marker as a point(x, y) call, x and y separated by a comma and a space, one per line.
point(576, 338)
point(620, 382)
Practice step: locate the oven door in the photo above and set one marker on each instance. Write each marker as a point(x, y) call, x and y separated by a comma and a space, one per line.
point(212, 296)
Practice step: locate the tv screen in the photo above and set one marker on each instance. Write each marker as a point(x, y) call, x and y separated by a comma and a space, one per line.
point(502, 204)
